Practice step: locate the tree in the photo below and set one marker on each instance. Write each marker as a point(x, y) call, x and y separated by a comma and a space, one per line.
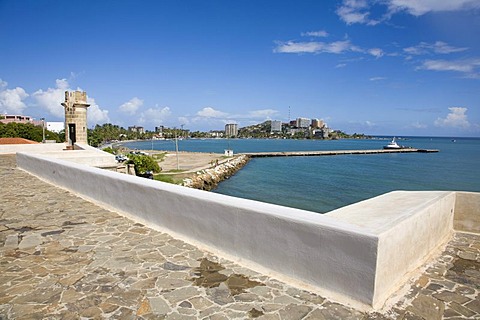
point(143, 163)
point(27, 131)
point(104, 133)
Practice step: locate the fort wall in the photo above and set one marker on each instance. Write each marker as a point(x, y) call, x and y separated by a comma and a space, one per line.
point(359, 254)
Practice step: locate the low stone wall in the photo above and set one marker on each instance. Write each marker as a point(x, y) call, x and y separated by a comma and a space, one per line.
point(208, 179)
point(358, 254)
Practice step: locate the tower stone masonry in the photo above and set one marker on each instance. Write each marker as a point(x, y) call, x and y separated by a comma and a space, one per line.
point(75, 117)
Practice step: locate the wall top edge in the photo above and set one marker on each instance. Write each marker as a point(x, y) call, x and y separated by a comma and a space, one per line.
point(299, 216)
point(382, 213)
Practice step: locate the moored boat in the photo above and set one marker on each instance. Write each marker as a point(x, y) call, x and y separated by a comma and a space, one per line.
point(393, 145)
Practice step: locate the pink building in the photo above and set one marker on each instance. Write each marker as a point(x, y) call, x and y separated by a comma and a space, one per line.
point(7, 118)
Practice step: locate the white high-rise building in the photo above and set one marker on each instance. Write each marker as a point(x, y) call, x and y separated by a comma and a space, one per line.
point(276, 126)
point(303, 122)
point(231, 130)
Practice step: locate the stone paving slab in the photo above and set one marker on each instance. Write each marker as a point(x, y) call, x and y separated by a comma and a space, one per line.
point(62, 257)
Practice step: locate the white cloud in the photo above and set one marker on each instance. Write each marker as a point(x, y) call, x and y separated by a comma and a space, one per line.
point(298, 47)
point(362, 125)
point(209, 112)
point(52, 98)
point(130, 107)
point(155, 116)
point(262, 114)
point(420, 7)
point(336, 47)
point(376, 52)
point(339, 47)
point(457, 118)
point(416, 50)
point(418, 125)
point(341, 65)
point(62, 84)
point(215, 118)
point(184, 120)
point(377, 78)
point(319, 34)
point(354, 11)
point(95, 114)
point(216, 123)
point(444, 48)
point(468, 67)
point(11, 100)
point(439, 47)
point(318, 47)
point(359, 11)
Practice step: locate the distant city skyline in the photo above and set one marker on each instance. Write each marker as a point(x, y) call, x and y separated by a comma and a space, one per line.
point(386, 67)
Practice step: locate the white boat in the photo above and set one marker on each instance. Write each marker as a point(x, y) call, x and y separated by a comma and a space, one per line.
point(392, 145)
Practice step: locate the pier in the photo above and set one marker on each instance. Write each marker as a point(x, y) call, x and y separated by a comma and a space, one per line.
point(333, 152)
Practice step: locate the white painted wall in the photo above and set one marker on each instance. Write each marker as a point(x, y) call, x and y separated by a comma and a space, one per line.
point(409, 227)
point(83, 154)
point(334, 256)
point(409, 243)
point(36, 148)
point(358, 253)
point(467, 212)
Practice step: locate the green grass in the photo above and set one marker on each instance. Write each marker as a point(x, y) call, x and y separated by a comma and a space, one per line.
point(167, 178)
point(159, 156)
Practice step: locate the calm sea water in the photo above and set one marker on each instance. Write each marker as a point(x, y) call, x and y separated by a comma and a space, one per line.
point(325, 183)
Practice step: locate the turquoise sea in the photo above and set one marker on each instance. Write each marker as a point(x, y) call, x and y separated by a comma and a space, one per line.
point(325, 183)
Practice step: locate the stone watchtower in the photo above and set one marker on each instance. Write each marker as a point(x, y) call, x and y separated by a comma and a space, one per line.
point(75, 117)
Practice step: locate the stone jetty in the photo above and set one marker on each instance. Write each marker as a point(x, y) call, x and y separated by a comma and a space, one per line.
point(208, 179)
point(334, 152)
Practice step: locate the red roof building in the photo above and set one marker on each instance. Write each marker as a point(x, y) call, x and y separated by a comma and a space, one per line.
point(16, 141)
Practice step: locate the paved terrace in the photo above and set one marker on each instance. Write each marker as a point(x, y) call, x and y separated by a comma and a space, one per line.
point(65, 258)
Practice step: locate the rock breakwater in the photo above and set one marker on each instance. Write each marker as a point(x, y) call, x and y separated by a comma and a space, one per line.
point(208, 179)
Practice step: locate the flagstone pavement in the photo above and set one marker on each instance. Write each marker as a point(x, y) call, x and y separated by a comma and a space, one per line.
point(62, 257)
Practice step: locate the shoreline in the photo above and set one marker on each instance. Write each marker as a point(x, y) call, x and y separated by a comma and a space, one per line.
point(209, 179)
point(198, 170)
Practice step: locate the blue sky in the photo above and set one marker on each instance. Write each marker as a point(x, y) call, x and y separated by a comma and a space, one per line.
point(394, 67)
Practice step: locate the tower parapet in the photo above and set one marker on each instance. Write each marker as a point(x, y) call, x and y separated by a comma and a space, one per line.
point(75, 117)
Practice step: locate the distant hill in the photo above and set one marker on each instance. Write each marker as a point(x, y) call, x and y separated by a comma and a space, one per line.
point(260, 130)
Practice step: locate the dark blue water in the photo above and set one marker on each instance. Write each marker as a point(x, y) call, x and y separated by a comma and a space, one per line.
point(325, 183)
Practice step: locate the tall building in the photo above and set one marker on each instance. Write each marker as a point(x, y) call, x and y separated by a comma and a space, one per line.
point(276, 126)
point(303, 123)
point(7, 118)
point(316, 123)
point(231, 130)
point(159, 129)
point(75, 117)
point(136, 129)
